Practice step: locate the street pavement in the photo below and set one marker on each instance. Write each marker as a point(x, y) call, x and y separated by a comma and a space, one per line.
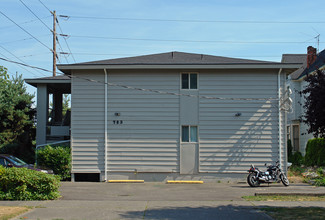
point(85, 200)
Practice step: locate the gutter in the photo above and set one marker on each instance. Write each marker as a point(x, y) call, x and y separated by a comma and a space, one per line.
point(66, 68)
point(280, 125)
point(105, 125)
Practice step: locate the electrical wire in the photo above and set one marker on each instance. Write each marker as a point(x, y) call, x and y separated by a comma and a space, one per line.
point(45, 6)
point(26, 22)
point(66, 42)
point(20, 66)
point(33, 67)
point(192, 21)
point(18, 58)
point(36, 15)
point(26, 31)
point(189, 41)
point(29, 38)
point(57, 40)
point(148, 90)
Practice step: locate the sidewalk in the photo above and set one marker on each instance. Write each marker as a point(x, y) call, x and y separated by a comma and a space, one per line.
point(160, 201)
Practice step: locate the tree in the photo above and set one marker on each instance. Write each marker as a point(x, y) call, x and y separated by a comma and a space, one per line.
point(314, 94)
point(16, 117)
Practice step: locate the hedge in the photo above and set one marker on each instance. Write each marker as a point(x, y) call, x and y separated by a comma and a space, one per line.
point(56, 158)
point(315, 152)
point(27, 184)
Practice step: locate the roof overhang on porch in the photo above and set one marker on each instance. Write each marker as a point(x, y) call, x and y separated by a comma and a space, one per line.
point(60, 84)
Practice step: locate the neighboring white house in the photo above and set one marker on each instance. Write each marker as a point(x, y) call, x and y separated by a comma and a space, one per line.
point(296, 129)
point(169, 116)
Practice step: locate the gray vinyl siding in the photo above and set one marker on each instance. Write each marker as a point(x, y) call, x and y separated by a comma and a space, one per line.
point(148, 139)
point(229, 143)
point(87, 122)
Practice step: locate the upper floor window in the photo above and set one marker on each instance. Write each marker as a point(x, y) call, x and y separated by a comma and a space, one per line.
point(189, 80)
point(189, 133)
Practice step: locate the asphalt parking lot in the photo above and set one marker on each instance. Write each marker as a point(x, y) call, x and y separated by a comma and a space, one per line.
point(84, 200)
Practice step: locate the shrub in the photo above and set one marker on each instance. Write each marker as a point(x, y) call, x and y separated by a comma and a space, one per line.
point(315, 152)
point(26, 184)
point(297, 159)
point(320, 182)
point(56, 158)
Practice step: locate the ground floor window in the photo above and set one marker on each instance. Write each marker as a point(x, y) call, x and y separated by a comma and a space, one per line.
point(295, 137)
point(189, 133)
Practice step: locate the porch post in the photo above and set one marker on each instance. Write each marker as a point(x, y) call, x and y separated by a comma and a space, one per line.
point(42, 113)
point(57, 106)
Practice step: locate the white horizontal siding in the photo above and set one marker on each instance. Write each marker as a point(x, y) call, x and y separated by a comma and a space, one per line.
point(229, 143)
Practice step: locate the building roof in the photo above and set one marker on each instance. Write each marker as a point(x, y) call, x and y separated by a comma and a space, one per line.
point(174, 60)
point(303, 70)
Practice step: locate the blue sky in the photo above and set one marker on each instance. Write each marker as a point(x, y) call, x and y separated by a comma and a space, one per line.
point(234, 32)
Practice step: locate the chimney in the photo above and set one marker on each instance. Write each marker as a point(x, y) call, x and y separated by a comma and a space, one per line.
point(311, 55)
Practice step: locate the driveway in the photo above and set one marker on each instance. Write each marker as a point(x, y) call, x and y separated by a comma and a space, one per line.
point(158, 201)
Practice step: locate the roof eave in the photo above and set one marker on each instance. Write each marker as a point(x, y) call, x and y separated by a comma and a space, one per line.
point(34, 82)
point(66, 68)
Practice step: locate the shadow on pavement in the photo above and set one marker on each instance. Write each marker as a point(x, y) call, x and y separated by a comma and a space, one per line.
point(204, 212)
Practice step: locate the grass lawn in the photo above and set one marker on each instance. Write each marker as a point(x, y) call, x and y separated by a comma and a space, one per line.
point(285, 213)
point(284, 198)
point(7, 212)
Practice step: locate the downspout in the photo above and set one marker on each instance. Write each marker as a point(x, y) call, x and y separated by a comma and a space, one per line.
point(280, 124)
point(105, 125)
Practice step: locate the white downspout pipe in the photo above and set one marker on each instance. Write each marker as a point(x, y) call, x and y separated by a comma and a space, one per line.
point(280, 124)
point(105, 124)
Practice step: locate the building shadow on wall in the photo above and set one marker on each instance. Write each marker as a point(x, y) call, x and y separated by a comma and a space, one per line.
point(254, 141)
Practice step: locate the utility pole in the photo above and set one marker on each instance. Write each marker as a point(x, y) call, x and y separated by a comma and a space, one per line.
point(54, 42)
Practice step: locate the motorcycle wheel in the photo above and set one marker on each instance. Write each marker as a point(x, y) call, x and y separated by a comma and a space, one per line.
point(252, 181)
point(284, 179)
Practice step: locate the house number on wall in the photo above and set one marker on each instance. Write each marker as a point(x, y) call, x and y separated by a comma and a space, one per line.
point(117, 122)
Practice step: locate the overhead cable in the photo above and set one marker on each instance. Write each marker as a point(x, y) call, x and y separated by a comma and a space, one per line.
point(192, 20)
point(150, 90)
point(36, 16)
point(26, 31)
point(45, 6)
point(190, 41)
point(66, 42)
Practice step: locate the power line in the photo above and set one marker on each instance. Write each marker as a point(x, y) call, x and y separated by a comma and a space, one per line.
point(150, 90)
point(66, 42)
point(45, 6)
point(20, 66)
point(18, 58)
point(192, 20)
point(29, 38)
point(190, 41)
point(35, 15)
point(33, 55)
point(33, 67)
point(26, 31)
point(26, 22)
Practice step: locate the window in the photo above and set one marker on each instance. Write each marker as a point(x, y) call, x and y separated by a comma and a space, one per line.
point(295, 137)
point(189, 80)
point(288, 133)
point(189, 134)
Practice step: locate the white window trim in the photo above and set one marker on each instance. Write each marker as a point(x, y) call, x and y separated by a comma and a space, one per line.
point(189, 81)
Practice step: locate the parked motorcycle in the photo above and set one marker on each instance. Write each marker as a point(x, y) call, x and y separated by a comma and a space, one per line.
point(273, 174)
